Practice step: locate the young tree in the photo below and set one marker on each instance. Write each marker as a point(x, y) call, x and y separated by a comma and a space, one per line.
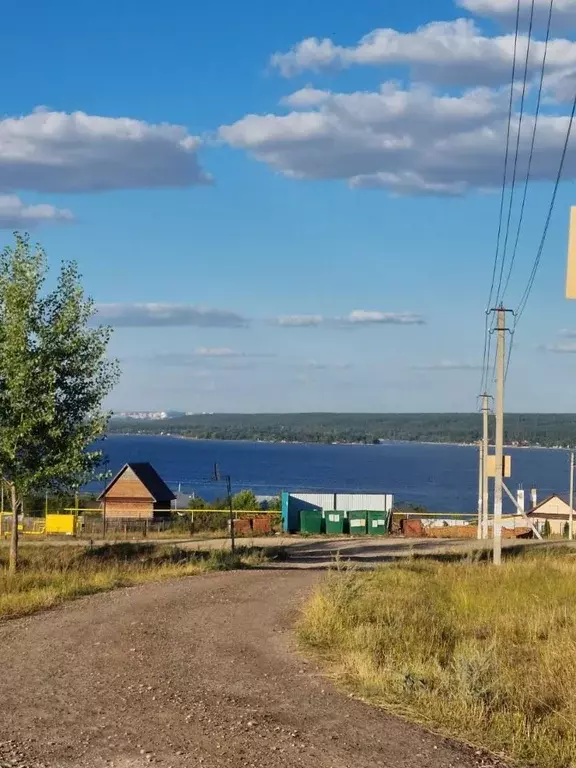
point(244, 500)
point(274, 504)
point(54, 375)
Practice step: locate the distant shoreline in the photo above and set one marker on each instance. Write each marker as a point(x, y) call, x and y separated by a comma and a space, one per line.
point(177, 436)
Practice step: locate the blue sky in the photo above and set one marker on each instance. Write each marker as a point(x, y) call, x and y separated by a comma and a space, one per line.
point(279, 213)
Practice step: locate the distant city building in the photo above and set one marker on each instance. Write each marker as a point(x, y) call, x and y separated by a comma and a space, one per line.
point(150, 415)
point(147, 415)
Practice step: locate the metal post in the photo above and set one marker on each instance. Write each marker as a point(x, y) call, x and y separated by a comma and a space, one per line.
point(571, 514)
point(217, 476)
point(499, 451)
point(232, 536)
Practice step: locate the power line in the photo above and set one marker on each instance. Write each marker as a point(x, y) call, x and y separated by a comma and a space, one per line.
point(530, 284)
point(509, 353)
point(516, 152)
point(532, 143)
point(485, 357)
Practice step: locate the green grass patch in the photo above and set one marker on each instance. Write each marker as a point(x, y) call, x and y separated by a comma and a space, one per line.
point(49, 575)
point(483, 654)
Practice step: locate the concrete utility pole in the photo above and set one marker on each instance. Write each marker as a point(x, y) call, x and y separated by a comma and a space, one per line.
point(571, 513)
point(499, 452)
point(480, 490)
point(485, 410)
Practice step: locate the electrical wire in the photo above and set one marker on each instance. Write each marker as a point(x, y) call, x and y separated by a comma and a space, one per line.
point(530, 284)
point(485, 357)
point(510, 347)
point(516, 154)
point(532, 142)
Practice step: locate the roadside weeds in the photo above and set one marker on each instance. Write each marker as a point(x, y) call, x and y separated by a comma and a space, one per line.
point(51, 575)
point(484, 655)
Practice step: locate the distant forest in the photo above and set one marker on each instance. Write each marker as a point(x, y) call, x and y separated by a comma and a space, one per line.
point(553, 429)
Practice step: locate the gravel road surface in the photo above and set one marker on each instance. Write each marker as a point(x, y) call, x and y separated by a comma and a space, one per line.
point(200, 672)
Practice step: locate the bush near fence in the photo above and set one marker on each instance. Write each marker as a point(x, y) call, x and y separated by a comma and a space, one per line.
point(247, 523)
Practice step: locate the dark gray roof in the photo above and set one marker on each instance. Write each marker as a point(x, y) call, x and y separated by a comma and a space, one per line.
point(148, 476)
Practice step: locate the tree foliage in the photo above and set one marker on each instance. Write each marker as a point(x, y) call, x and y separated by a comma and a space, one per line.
point(245, 499)
point(54, 375)
point(547, 429)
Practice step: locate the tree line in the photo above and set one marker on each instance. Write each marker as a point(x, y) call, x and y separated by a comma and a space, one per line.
point(369, 428)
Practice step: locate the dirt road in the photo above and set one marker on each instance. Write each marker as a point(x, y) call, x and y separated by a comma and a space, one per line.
point(195, 672)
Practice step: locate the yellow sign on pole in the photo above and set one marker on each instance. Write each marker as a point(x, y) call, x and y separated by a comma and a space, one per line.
point(571, 267)
point(491, 466)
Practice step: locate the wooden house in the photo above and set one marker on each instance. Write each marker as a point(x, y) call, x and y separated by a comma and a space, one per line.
point(554, 509)
point(137, 492)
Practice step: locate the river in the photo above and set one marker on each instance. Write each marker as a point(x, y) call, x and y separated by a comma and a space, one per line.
point(442, 478)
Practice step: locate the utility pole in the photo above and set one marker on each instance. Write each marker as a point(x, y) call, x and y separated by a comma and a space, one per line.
point(485, 411)
point(481, 462)
point(571, 513)
point(499, 441)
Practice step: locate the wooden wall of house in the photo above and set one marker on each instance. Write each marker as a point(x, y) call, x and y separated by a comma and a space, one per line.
point(129, 487)
point(129, 508)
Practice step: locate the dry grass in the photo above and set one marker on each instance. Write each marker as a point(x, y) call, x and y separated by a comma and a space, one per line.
point(482, 654)
point(49, 574)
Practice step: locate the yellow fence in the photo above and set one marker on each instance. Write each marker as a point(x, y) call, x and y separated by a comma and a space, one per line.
point(35, 528)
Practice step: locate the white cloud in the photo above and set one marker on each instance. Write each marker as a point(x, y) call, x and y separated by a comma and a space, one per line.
point(442, 52)
point(306, 97)
point(167, 315)
point(207, 360)
point(60, 152)
point(406, 140)
point(317, 365)
point(298, 321)
point(15, 214)
point(216, 352)
point(562, 347)
point(362, 316)
point(564, 11)
point(447, 365)
point(226, 352)
point(355, 318)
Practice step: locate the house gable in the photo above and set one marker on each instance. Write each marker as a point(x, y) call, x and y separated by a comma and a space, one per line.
point(138, 481)
point(127, 485)
point(552, 507)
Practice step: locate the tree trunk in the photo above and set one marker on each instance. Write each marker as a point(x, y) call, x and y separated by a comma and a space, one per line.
point(13, 563)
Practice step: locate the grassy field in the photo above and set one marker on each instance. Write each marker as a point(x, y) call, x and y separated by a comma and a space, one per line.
point(50, 574)
point(482, 654)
